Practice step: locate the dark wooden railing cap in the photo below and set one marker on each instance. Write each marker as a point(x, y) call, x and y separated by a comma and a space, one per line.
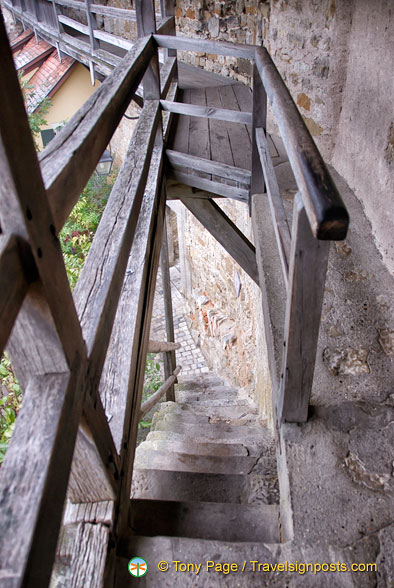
point(326, 211)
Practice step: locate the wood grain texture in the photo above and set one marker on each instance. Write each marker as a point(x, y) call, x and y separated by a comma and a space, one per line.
point(99, 286)
point(278, 214)
point(203, 45)
point(70, 158)
point(226, 232)
point(307, 276)
point(14, 281)
point(183, 161)
point(215, 187)
point(34, 476)
point(207, 112)
point(326, 211)
point(89, 556)
point(167, 73)
point(169, 356)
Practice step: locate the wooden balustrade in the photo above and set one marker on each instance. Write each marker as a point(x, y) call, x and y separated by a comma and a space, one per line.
point(81, 357)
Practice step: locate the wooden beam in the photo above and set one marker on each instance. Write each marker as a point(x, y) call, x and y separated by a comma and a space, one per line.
point(126, 355)
point(244, 118)
point(167, 8)
point(99, 286)
point(96, 34)
point(34, 477)
point(307, 276)
point(88, 559)
point(167, 72)
point(213, 187)
point(205, 46)
point(185, 161)
point(259, 121)
point(92, 26)
point(14, 279)
point(326, 211)
point(278, 214)
point(161, 346)
point(72, 155)
point(169, 356)
point(166, 26)
point(212, 217)
point(146, 25)
point(164, 388)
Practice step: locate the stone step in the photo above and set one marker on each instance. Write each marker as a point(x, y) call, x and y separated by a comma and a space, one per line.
point(189, 446)
point(221, 432)
point(189, 486)
point(250, 445)
point(146, 458)
point(211, 393)
point(206, 520)
point(216, 402)
point(239, 414)
point(204, 417)
point(195, 382)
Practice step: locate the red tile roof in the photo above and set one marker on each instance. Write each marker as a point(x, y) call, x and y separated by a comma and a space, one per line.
point(21, 40)
point(49, 77)
point(31, 54)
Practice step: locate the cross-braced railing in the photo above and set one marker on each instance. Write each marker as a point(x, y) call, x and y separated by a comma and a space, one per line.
point(71, 351)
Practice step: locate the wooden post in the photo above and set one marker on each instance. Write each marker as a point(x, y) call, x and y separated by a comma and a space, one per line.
point(307, 275)
point(167, 8)
point(259, 121)
point(168, 356)
point(146, 25)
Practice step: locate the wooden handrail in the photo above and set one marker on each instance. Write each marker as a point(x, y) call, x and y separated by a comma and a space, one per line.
point(154, 399)
point(326, 211)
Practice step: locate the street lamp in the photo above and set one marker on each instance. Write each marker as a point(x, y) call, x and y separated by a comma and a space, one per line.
point(103, 168)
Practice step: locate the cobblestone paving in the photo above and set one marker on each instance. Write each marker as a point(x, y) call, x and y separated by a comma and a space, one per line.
point(189, 356)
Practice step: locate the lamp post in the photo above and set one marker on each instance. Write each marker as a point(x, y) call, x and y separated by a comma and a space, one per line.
point(103, 168)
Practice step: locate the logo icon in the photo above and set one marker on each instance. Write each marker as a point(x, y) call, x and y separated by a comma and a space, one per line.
point(137, 567)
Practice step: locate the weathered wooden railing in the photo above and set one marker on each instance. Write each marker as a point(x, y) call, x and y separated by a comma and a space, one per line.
point(80, 358)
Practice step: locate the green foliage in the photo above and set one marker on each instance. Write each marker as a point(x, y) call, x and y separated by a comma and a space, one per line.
point(36, 118)
point(77, 234)
point(152, 383)
point(10, 403)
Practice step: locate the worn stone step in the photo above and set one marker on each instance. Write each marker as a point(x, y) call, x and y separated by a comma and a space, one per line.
point(211, 393)
point(190, 446)
point(200, 551)
point(146, 458)
point(235, 414)
point(206, 520)
point(202, 381)
point(189, 486)
point(205, 416)
point(222, 432)
point(216, 402)
point(251, 445)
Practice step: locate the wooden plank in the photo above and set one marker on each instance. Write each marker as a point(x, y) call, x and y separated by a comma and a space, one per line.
point(167, 72)
point(324, 206)
point(182, 126)
point(207, 112)
point(205, 46)
point(34, 477)
point(181, 160)
point(307, 276)
point(96, 34)
point(210, 186)
point(26, 211)
point(166, 26)
point(89, 556)
point(160, 346)
point(212, 217)
point(98, 289)
point(111, 11)
point(168, 118)
point(164, 388)
point(126, 357)
point(14, 279)
point(167, 8)
point(72, 155)
point(244, 98)
point(199, 131)
point(218, 136)
point(259, 122)
point(169, 357)
point(146, 25)
point(278, 214)
point(238, 134)
point(98, 512)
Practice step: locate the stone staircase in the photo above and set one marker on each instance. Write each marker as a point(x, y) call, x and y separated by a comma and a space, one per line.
point(204, 480)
